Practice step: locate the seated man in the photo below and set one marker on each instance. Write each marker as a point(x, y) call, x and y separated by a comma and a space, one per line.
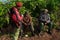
point(44, 19)
point(27, 20)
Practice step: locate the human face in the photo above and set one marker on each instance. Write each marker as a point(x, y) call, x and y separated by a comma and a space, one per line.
point(18, 8)
point(46, 11)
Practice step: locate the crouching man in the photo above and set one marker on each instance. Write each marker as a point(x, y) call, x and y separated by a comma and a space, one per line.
point(27, 20)
point(44, 19)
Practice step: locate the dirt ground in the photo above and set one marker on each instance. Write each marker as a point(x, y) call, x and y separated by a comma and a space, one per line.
point(45, 36)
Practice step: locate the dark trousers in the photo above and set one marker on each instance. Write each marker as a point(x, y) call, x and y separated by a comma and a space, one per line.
point(37, 29)
point(27, 28)
point(48, 24)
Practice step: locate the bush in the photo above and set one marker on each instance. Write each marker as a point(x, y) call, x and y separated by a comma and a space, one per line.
point(33, 6)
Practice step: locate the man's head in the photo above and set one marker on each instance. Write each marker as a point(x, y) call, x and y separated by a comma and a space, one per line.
point(45, 11)
point(27, 14)
point(19, 4)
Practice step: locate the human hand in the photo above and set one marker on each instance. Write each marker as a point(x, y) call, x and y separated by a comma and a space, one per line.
point(46, 23)
point(29, 23)
point(25, 24)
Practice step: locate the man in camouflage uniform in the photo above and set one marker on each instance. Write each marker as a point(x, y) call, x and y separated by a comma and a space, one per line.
point(44, 19)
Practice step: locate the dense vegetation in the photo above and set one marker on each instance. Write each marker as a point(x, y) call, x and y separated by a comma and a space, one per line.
point(33, 6)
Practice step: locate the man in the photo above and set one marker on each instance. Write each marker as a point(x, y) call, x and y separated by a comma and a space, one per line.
point(14, 14)
point(16, 18)
point(27, 23)
point(44, 19)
